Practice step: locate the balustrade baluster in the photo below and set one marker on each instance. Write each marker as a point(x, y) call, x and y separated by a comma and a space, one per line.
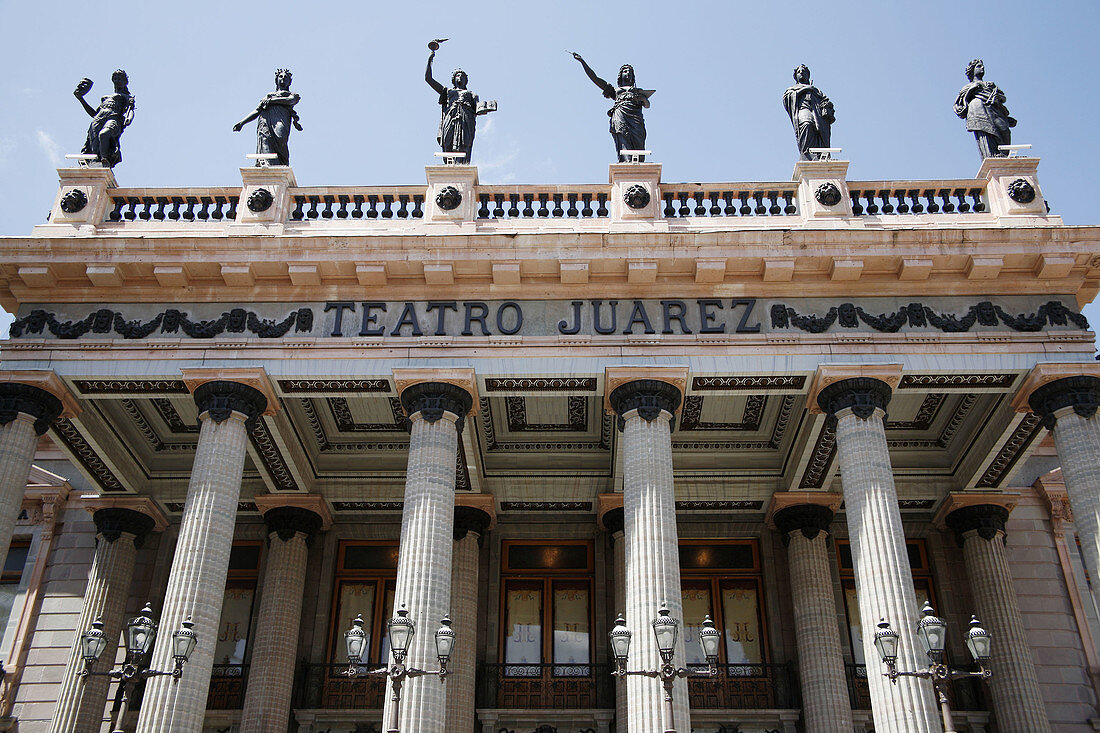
point(372, 206)
point(418, 206)
point(902, 207)
point(744, 209)
point(544, 201)
point(727, 199)
point(529, 205)
point(572, 210)
point(343, 200)
point(189, 213)
point(789, 207)
point(948, 205)
point(887, 206)
point(146, 205)
point(760, 209)
point(559, 210)
point(872, 203)
point(216, 212)
point(357, 212)
point(930, 196)
point(700, 203)
point(683, 197)
point(327, 202)
point(513, 205)
point(313, 203)
point(976, 197)
point(715, 203)
point(917, 207)
point(964, 205)
point(857, 208)
point(601, 200)
point(116, 213)
point(586, 204)
point(297, 214)
point(387, 206)
point(132, 203)
point(483, 209)
point(177, 204)
point(775, 209)
point(498, 206)
point(670, 211)
point(162, 202)
point(204, 208)
point(402, 206)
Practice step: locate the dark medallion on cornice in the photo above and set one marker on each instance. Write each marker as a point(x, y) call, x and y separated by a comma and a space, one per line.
point(918, 315)
point(1015, 447)
point(73, 201)
point(260, 200)
point(448, 198)
point(1021, 191)
point(1082, 393)
point(809, 519)
point(287, 521)
point(172, 321)
point(432, 399)
point(636, 196)
point(219, 399)
point(648, 396)
point(38, 403)
point(986, 519)
point(470, 519)
point(111, 522)
point(614, 520)
point(862, 394)
point(827, 194)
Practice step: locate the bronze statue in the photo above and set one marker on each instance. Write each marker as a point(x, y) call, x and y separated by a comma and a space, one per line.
point(109, 120)
point(460, 109)
point(275, 114)
point(627, 122)
point(982, 105)
point(811, 113)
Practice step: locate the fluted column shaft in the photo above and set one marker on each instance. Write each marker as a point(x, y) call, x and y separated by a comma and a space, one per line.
point(1015, 685)
point(825, 703)
point(274, 652)
point(25, 413)
point(884, 580)
point(436, 412)
point(196, 586)
point(613, 520)
point(81, 700)
point(652, 556)
point(461, 680)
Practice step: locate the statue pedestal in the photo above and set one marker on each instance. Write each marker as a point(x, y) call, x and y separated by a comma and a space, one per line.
point(84, 189)
point(822, 188)
point(1012, 181)
point(444, 181)
point(623, 177)
point(276, 180)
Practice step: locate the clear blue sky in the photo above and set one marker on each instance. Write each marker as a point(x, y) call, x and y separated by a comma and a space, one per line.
point(892, 69)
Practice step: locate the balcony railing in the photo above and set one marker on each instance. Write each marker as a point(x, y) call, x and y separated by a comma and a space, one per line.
point(746, 687)
point(227, 686)
point(323, 686)
point(965, 693)
point(545, 686)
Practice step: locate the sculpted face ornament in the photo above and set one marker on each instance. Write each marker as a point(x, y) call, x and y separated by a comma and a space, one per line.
point(73, 201)
point(827, 194)
point(636, 197)
point(260, 200)
point(1021, 191)
point(448, 198)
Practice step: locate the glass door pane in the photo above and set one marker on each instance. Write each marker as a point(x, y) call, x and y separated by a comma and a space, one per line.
point(233, 626)
point(354, 598)
point(741, 622)
point(695, 596)
point(571, 632)
point(523, 628)
point(384, 623)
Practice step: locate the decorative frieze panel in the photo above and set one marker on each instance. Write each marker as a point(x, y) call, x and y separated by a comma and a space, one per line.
point(130, 387)
point(107, 322)
point(1013, 449)
point(68, 434)
point(759, 383)
point(957, 381)
point(919, 315)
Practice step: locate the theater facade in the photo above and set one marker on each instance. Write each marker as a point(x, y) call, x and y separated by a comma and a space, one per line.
point(795, 407)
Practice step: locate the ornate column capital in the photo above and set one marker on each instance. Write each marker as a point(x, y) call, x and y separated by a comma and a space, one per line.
point(111, 522)
point(810, 519)
point(470, 519)
point(615, 377)
point(313, 503)
point(609, 508)
point(17, 397)
point(1081, 392)
point(45, 381)
point(219, 399)
point(1047, 373)
point(253, 377)
point(829, 374)
point(862, 394)
point(287, 521)
point(432, 399)
point(650, 397)
point(138, 504)
point(986, 519)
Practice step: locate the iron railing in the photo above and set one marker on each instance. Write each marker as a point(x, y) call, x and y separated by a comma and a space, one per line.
point(227, 686)
point(325, 687)
point(545, 686)
point(965, 693)
point(745, 687)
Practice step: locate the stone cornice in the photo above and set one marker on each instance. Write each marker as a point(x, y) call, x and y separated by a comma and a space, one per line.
point(828, 374)
point(254, 377)
point(142, 504)
point(310, 502)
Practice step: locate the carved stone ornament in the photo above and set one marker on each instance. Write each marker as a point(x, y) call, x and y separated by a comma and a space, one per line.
point(448, 198)
point(1021, 191)
point(260, 200)
point(862, 394)
point(470, 519)
point(73, 201)
point(637, 196)
point(432, 399)
point(827, 194)
point(1082, 393)
point(220, 399)
point(111, 522)
point(648, 396)
point(987, 519)
point(38, 403)
point(287, 521)
point(105, 320)
point(810, 519)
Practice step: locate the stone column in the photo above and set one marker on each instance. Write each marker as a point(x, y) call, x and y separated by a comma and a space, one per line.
point(196, 586)
point(825, 703)
point(980, 530)
point(1067, 407)
point(613, 521)
point(437, 412)
point(470, 524)
point(26, 412)
point(120, 533)
point(291, 528)
point(652, 557)
point(884, 581)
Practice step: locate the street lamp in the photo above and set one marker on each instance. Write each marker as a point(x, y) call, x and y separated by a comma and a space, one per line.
point(141, 634)
point(401, 631)
point(665, 631)
point(931, 631)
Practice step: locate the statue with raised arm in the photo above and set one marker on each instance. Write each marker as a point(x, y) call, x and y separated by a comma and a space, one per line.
point(627, 122)
point(274, 115)
point(982, 105)
point(459, 109)
point(113, 115)
point(811, 114)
